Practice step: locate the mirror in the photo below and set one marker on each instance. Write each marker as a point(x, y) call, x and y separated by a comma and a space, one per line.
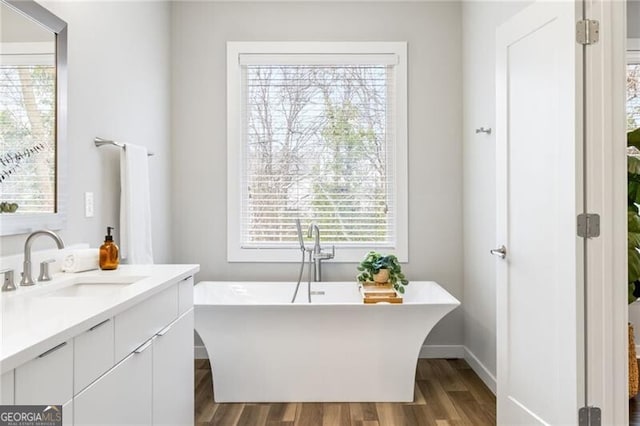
point(33, 92)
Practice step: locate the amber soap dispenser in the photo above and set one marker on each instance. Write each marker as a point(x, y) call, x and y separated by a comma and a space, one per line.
point(109, 252)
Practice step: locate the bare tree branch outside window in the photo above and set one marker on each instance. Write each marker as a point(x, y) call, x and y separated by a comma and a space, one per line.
point(633, 96)
point(317, 149)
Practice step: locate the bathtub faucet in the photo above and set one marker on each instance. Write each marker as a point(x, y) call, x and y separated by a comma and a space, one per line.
point(317, 254)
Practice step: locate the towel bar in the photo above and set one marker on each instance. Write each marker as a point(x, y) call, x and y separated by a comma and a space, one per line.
point(101, 142)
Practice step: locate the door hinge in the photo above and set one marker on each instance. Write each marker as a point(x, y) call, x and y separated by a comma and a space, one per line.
point(587, 31)
point(589, 416)
point(588, 225)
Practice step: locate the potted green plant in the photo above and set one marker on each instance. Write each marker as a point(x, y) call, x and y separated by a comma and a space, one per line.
point(6, 207)
point(380, 269)
point(633, 217)
point(633, 243)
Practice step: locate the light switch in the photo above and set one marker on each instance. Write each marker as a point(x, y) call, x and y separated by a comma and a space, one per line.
point(88, 204)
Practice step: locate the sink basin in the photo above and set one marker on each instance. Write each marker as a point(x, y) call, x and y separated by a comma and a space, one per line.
point(93, 287)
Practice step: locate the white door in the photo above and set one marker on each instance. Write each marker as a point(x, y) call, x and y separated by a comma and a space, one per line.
point(539, 192)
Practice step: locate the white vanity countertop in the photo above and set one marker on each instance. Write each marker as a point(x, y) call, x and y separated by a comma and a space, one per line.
point(33, 322)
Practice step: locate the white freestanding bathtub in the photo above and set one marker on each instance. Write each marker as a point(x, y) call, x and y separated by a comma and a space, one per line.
point(263, 348)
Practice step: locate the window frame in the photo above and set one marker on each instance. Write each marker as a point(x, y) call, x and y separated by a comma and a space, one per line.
point(235, 149)
point(26, 223)
point(633, 51)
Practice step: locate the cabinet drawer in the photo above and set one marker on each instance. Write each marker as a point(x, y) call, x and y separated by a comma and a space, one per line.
point(173, 373)
point(120, 397)
point(6, 388)
point(47, 379)
point(67, 413)
point(185, 295)
point(139, 323)
point(93, 354)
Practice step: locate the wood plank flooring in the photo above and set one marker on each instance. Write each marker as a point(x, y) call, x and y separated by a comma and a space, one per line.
point(448, 392)
point(634, 411)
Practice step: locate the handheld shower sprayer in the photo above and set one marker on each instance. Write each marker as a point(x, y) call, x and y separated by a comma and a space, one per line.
point(304, 250)
point(300, 237)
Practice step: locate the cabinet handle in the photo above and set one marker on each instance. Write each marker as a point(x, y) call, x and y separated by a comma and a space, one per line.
point(55, 348)
point(143, 347)
point(100, 324)
point(164, 330)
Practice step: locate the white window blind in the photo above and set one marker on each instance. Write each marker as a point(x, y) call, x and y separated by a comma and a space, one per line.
point(633, 95)
point(316, 131)
point(318, 145)
point(27, 127)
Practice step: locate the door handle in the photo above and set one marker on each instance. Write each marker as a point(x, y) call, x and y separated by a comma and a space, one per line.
point(500, 251)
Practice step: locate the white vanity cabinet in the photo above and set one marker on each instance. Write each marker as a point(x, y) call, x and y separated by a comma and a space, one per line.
point(121, 396)
point(134, 367)
point(152, 385)
point(67, 413)
point(92, 353)
point(140, 323)
point(47, 380)
point(6, 388)
point(153, 382)
point(173, 373)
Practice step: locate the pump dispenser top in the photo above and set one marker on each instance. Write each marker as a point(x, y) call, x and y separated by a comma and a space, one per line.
point(109, 237)
point(109, 252)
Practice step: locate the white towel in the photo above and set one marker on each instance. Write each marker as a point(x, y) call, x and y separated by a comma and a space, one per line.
point(135, 206)
point(81, 260)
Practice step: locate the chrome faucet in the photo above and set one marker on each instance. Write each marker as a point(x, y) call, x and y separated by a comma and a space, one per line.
point(317, 254)
point(27, 278)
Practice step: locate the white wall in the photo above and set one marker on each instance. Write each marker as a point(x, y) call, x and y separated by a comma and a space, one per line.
point(119, 74)
point(633, 18)
point(480, 20)
point(15, 27)
point(433, 32)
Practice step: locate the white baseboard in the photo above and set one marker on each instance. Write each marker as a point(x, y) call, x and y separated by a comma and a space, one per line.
point(441, 351)
point(480, 369)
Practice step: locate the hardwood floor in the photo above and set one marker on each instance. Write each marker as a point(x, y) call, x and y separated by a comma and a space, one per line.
point(448, 392)
point(634, 411)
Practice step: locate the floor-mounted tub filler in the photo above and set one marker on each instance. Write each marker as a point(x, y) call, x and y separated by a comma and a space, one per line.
point(263, 348)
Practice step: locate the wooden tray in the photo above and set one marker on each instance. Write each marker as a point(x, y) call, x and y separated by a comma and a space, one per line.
point(370, 300)
point(376, 293)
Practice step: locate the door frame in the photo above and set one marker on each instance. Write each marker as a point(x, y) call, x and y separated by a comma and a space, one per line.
point(605, 194)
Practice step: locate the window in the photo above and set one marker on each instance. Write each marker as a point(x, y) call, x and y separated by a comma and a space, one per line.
point(27, 128)
point(633, 89)
point(316, 131)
